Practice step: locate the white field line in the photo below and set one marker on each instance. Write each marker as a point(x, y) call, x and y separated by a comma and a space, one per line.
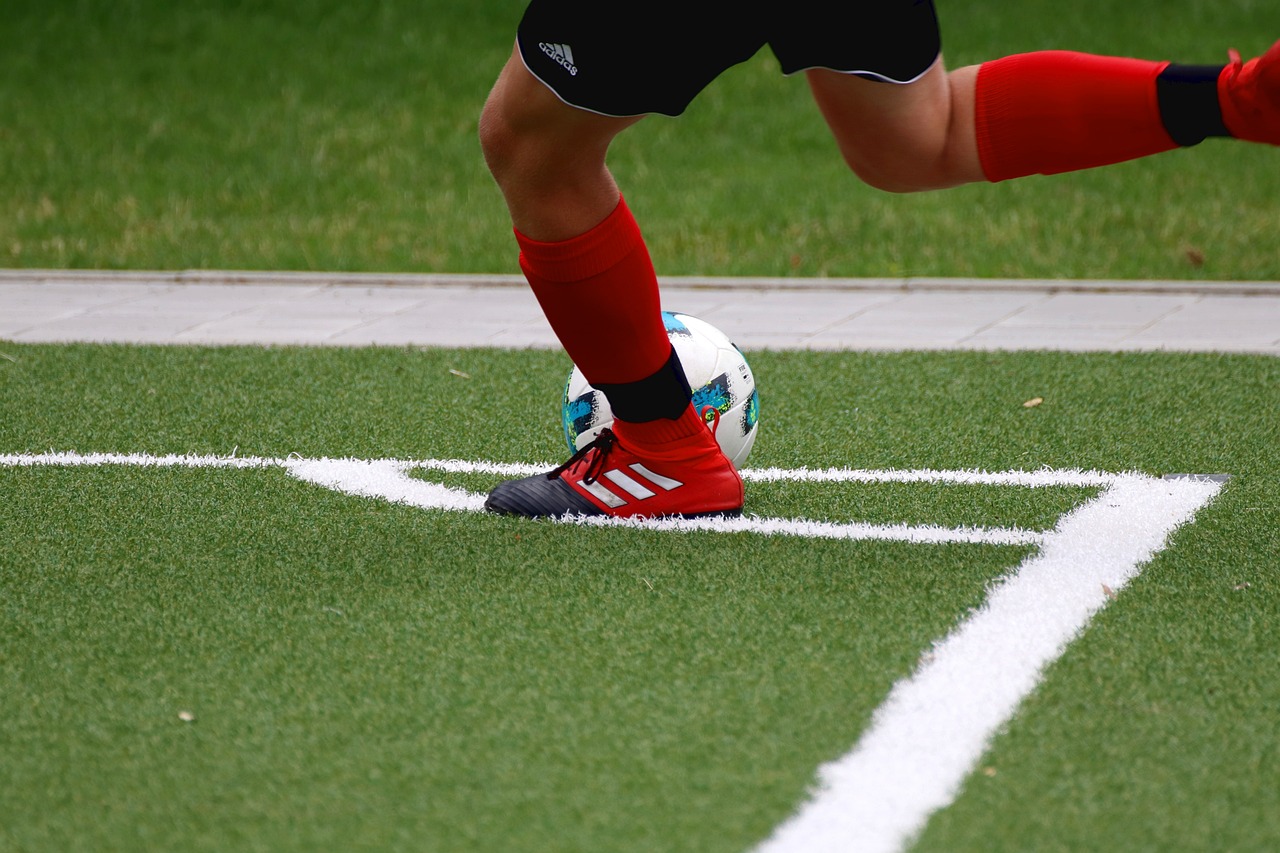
point(1030, 479)
point(934, 727)
point(72, 459)
point(388, 479)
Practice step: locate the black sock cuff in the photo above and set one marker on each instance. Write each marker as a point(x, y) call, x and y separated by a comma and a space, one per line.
point(664, 394)
point(1188, 96)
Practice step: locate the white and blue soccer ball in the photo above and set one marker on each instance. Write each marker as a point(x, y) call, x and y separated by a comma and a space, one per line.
point(717, 372)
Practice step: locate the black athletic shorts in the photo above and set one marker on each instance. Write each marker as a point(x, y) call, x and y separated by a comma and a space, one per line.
point(626, 59)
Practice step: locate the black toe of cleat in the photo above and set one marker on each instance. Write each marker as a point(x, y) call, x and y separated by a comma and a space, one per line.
point(539, 497)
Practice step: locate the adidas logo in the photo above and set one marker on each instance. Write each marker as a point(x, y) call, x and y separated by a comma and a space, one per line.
point(633, 487)
point(561, 54)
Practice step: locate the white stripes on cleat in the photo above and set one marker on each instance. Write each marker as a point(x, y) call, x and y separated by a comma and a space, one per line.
point(632, 487)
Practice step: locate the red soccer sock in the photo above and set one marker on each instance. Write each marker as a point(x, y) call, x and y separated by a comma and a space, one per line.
point(600, 294)
point(1057, 111)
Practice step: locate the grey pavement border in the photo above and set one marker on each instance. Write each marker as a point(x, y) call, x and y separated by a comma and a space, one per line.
point(907, 284)
point(360, 309)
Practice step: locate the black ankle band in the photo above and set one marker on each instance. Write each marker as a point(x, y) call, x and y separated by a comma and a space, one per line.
point(665, 394)
point(1188, 96)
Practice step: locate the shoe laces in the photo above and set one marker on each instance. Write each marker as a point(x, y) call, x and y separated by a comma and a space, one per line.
point(603, 443)
point(711, 417)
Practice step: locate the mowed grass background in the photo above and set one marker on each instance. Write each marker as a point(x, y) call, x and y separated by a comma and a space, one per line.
point(365, 676)
point(325, 135)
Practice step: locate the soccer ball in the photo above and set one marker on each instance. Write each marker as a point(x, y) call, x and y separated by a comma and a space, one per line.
point(717, 372)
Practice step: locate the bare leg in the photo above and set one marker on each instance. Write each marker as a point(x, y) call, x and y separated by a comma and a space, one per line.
point(588, 266)
point(1045, 112)
point(904, 138)
point(547, 157)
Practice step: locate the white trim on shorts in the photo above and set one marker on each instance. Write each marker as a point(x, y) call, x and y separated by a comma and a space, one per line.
point(552, 90)
point(878, 77)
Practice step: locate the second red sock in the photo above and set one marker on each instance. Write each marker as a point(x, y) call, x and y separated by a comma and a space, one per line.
point(1057, 111)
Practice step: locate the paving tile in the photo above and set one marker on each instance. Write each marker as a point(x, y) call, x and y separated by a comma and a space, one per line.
point(799, 315)
point(1221, 341)
point(81, 292)
point(266, 327)
point(525, 339)
point(1244, 320)
point(869, 343)
point(118, 328)
point(949, 316)
point(14, 320)
point(699, 303)
point(1091, 310)
point(1024, 337)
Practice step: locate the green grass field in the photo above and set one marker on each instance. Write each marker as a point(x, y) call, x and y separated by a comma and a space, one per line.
point(371, 676)
point(223, 659)
point(321, 135)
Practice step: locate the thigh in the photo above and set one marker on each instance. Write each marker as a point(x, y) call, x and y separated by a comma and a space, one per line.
point(908, 137)
point(548, 158)
point(895, 41)
point(625, 59)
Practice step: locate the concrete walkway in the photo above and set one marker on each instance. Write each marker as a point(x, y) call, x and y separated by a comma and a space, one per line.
point(457, 310)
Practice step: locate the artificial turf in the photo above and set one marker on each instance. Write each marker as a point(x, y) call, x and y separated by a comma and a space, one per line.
point(363, 675)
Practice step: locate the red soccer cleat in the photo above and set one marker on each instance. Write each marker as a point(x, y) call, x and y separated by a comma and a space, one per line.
point(689, 477)
point(1249, 95)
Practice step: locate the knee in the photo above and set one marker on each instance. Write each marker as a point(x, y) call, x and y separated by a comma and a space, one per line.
point(894, 169)
point(500, 141)
point(913, 161)
point(517, 131)
point(530, 144)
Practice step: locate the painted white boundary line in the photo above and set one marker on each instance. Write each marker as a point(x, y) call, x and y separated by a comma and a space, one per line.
point(390, 480)
point(932, 730)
